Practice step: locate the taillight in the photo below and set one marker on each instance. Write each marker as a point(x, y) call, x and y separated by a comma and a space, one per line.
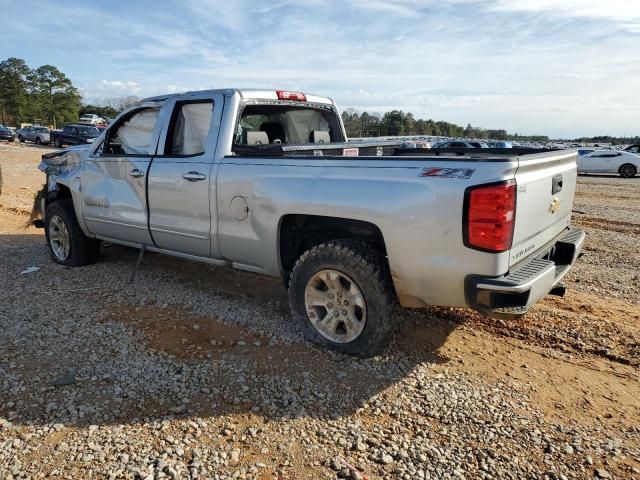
point(285, 95)
point(489, 216)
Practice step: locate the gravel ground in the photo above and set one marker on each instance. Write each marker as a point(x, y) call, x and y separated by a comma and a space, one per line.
point(193, 371)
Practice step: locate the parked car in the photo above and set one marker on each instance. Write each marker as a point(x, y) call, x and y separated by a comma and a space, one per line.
point(460, 144)
point(265, 181)
point(633, 149)
point(6, 134)
point(90, 119)
point(610, 161)
point(74, 135)
point(35, 134)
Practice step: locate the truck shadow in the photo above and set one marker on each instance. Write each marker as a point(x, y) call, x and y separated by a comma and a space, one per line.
point(103, 356)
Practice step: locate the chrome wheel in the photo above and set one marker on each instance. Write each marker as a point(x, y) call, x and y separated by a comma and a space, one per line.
point(335, 306)
point(59, 237)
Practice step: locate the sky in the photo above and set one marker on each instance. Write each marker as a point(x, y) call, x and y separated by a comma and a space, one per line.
point(563, 68)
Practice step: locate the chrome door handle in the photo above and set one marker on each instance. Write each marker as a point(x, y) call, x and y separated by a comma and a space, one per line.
point(136, 173)
point(194, 176)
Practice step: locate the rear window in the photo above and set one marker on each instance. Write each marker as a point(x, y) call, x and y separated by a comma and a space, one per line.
point(89, 131)
point(287, 124)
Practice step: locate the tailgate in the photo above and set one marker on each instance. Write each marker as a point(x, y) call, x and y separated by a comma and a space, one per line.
point(546, 185)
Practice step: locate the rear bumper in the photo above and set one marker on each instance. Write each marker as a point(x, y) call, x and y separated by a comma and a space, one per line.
point(512, 295)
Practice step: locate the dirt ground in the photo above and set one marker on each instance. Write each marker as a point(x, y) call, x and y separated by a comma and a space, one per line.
point(577, 357)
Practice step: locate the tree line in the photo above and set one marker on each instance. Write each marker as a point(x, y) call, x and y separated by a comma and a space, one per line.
point(399, 123)
point(43, 94)
point(46, 95)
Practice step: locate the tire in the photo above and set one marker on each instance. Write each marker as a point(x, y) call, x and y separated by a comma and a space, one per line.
point(627, 170)
point(11, 139)
point(58, 143)
point(20, 138)
point(81, 249)
point(351, 261)
point(38, 141)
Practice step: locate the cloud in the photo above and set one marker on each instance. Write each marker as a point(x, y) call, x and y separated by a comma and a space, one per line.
point(625, 13)
point(526, 65)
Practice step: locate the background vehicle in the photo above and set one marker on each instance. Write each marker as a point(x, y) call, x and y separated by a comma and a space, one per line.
point(633, 149)
point(38, 135)
point(610, 161)
point(6, 134)
point(460, 144)
point(90, 119)
point(74, 135)
point(265, 181)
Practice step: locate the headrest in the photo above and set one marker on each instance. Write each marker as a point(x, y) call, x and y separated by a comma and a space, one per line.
point(319, 136)
point(257, 138)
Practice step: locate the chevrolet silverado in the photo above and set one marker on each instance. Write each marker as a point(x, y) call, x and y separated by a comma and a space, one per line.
point(266, 181)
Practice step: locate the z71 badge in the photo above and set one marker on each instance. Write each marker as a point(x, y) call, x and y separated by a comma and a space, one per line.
point(447, 172)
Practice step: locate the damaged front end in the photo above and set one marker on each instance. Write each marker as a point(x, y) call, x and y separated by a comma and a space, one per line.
point(59, 167)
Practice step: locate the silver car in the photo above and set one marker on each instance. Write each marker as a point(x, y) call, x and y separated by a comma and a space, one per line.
point(39, 135)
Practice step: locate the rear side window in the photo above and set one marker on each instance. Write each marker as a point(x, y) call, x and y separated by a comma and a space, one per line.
point(189, 128)
point(133, 135)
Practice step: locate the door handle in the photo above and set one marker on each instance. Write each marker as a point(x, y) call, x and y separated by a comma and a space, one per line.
point(194, 176)
point(136, 173)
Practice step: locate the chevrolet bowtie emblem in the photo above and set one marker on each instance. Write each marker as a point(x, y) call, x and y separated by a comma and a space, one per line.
point(555, 205)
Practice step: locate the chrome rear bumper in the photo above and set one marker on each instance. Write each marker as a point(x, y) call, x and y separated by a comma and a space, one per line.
point(511, 295)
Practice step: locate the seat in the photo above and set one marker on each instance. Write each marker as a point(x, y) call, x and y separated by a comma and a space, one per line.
point(257, 138)
point(319, 136)
point(275, 132)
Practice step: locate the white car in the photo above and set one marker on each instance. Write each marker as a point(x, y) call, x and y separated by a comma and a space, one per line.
point(610, 161)
point(90, 119)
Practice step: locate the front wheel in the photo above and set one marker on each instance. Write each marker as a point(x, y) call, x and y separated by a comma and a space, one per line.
point(342, 296)
point(627, 170)
point(58, 143)
point(68, 245)
point(20, 138)
point(38, 141)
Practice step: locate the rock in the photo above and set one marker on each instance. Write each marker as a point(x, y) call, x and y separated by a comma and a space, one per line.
point(386, 459)
point(602, 473)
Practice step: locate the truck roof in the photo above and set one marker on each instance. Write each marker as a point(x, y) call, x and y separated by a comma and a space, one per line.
point(245, 93)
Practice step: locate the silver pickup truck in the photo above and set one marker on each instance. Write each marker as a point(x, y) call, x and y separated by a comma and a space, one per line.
point(266, 181)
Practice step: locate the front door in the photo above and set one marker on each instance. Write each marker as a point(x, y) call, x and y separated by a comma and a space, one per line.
point(181, 183)
point(114, 184)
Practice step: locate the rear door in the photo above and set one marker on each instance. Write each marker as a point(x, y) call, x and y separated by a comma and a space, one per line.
point(182, 214)
point(69, 135)
point(546, 186)
point(114, 179)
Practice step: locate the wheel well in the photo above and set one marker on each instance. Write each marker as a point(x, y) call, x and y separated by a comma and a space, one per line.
point(61, 192)
point(298, 233)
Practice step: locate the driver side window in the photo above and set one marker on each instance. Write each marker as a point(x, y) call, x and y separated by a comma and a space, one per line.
point(133, 134)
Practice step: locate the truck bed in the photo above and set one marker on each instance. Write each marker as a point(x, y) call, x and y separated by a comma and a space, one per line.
point(380, 149)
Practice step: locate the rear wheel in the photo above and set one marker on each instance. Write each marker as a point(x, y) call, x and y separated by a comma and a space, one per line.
point(68, 245)
point(58, 143)
point(38, 141)
point(20, 138)
point(341, 294)
point(627, 170)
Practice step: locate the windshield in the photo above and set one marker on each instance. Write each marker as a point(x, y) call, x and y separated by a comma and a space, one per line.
point(41, 130)
point(284, 123)
point(89, 131)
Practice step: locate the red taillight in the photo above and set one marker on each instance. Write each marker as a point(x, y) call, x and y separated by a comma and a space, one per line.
point(490, 214)
point(285, 95)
